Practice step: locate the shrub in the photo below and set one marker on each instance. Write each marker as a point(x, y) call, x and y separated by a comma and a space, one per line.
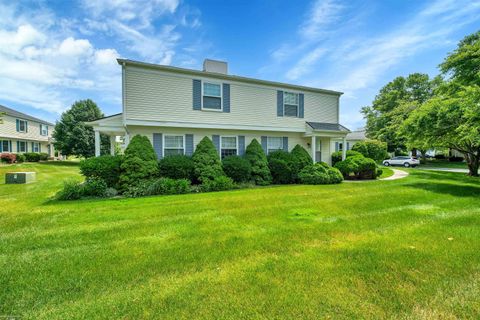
point(237, 168)
point(32, 156)
point(43, 156)
point(283, 167)
point(168, 186)
point(337, 155)
point(20, 157)
point(319, 174)
point(220, 183)
point(176, 167)
point(455, 159)
point(104, 167)
point(206, 161)
point(72, 190)
point(301, 156)
point(358, 167)
point(140, 162)
point(373, 149)
point(8, 157)
point(94, 187)
point(260, 172)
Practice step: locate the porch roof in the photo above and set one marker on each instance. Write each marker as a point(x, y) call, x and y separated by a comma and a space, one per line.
point(324, 126)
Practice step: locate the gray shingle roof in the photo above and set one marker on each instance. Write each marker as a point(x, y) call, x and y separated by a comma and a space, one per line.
point(356, 135)
point(21, 115)
point(324, 126)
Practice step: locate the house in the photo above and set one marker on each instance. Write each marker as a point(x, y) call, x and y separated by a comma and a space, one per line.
point(351, 138)
point(176, 107)
point(20, 133)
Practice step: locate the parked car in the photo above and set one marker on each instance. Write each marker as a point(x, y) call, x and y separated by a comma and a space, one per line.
point(401, 161)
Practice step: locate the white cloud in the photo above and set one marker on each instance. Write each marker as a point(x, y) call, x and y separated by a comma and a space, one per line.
point(305, 63)
point(322, 14)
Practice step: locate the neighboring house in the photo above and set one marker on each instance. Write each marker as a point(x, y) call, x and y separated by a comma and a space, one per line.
point(351, 138)
point(20, 133)
point(175, 108)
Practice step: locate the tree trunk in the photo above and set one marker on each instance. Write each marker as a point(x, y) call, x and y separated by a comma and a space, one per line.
point(424, 156)
point(472, 163)
point(414, 152)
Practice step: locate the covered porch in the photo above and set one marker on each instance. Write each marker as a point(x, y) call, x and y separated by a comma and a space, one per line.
point(112, 126)
point(321, 135)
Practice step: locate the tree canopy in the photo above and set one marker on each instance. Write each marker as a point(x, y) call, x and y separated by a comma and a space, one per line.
point(72, 136)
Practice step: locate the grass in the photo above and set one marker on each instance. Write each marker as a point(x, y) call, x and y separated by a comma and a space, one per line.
point(403, 249)
point(444, 164)
point(387, 172)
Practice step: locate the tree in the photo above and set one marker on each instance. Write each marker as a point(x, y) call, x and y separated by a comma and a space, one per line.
point(206, 161)
point(373, 149)
point(450, 121)
point(393, 104)
point(258, 160)
point(73, 137)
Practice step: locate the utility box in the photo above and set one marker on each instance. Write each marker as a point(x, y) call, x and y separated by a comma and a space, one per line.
point(19, 177)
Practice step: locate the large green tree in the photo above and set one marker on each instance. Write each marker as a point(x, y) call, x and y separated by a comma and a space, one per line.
point(393, 104)
point(73, 137)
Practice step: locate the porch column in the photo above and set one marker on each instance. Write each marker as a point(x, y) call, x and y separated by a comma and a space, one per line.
point(97, 143)
point(344, 148)
point(112, 145)
point(314, 146)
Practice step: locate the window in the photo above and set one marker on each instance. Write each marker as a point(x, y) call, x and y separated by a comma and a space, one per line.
point(22, 146)
point(43, 130)
point(173, 145)
point(290, 104)
point(35, 147)
point(5, 146)
point(274, 144)
point(212, 96)
point(22, 126)
point(228, 146)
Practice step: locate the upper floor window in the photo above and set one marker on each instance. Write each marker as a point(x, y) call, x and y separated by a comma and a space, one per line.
point(274, 144)
point(43, 130)
point(212, 96)
point(173, 145)
point(21, 125)
point(228, 146)
point(290, 104)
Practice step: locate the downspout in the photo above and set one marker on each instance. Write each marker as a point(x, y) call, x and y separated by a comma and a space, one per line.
point(124, 99)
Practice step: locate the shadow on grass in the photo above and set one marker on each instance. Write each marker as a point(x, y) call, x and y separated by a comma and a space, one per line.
point(447, 188)
point(61, 163)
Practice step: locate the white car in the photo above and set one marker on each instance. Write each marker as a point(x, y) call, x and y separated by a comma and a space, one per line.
point(401, 161)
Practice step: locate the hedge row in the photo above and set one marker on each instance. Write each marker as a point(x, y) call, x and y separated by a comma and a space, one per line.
point(22, 157)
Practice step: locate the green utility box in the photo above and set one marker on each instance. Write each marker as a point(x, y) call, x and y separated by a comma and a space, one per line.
point(19, 177)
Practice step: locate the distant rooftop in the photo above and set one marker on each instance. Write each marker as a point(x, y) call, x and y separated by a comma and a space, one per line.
point(357, 135)
point(21, 115)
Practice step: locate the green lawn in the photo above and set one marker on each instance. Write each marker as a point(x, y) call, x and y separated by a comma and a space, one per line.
point(403, 249)
point(444, 164)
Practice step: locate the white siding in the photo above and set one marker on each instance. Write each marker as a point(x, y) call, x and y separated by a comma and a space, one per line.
point(8, 129)
point(161, 96)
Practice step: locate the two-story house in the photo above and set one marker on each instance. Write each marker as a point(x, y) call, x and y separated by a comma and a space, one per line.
point(20, 133)
point(176, 107)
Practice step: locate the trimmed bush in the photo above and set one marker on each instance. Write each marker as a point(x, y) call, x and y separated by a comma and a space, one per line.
point(20, 157)
point(140, 162)
point(72, 190)
point(32, 157)
point(169, 186)
point(319, 174)
point(43, 156)
point(373, 149)
point(176, 167)
point(237, 168)
point(8, 157)
point(358, 167)
point(260, 172)
point(220, 183)
point(337, 155)
point(94, 187)
point(283, 167)
point(302, 157)
point(206, 161)
point(104, 167)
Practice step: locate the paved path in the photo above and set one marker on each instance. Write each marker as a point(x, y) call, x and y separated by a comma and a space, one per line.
point(397, 174)
point(459, 170)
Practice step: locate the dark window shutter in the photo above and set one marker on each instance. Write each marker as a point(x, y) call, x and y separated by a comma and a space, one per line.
point(336, 146)
point(33, 149)
point(226, 97)
point(301, 108)
point(264, 144)
point(40, 129)
point(1, 146)
point(18, 126)
point(285, 144)
point(280, 103)
point(26, 126)
point(216, 141)
point(241, 145)
point(188, 144)
point(348, 145)
point(39, 147)
point(10, 145)
point(18, 146)
point(197, 94)
point(158, 144)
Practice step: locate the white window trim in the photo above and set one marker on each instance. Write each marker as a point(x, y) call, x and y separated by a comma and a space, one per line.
point(298, 104)
point(37, 145)
point(41, 129)
point(24, 127)
point(281, 138)
point(220, 146)
point(8, 145)
point(172, 135)
point(221, 96)
point(26, 146)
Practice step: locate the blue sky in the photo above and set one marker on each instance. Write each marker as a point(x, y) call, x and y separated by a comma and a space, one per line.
point(55, 52)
